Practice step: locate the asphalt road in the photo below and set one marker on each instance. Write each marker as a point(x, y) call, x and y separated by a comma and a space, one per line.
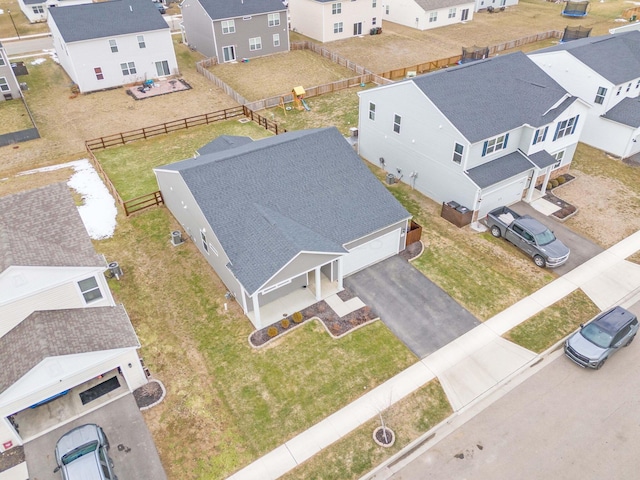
point(563, 422)
point(31, 45)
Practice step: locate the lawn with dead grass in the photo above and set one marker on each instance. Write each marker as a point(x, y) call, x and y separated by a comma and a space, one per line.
point(14, 117)
point(356, 453)
point(278, 74)
point(228, 404)
point(16, 24)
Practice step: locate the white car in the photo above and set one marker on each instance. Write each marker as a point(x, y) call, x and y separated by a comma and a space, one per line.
point(81, 454)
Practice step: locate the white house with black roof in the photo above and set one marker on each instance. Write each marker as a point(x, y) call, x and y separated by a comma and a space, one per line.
point(481, 134)
point(60, 328)
point(328, 20)
point(605, 73)
point(232, 30)
point(427, 14)
point(37, 10)
point(283, 220)
point(112, 44)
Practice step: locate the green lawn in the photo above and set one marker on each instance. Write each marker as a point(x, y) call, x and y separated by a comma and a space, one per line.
point(130, 166)
point(554, 323)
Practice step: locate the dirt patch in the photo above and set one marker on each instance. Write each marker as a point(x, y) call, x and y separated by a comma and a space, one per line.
point(11, 458)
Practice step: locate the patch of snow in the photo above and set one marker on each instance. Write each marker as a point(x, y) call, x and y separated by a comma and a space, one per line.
point(98, 211)
point(621, 20)
point(38, 61)
point(1, 11)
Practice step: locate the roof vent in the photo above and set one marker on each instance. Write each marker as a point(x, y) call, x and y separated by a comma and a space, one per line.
point(176, 238)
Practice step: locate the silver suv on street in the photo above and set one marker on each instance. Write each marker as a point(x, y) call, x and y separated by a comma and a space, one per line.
point(601, 337)
point(81, 454)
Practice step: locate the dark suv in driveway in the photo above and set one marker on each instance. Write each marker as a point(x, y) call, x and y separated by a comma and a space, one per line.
point(601, 337)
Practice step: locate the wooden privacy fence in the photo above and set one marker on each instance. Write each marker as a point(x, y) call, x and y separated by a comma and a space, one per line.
point(414, 234)
point(163, 128)
point(631, 12)
point(142, 202)
point(426, 67)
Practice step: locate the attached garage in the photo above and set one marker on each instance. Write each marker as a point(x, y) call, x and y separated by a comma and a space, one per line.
point(371, 252)
point(504, 195)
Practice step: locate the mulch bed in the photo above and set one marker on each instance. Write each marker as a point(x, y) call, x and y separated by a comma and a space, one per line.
point(11, 458)
point(338, 326)
point(566, 209)
point(148, 394)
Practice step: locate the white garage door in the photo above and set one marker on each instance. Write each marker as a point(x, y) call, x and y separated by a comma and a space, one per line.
point(507, 195)
point(371, 252)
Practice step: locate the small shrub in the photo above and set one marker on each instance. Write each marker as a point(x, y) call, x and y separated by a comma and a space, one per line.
point(561, 180)
point(272, 332)
point(297, 317)
point(548, 186)
point(285, 323)
point(554, 183)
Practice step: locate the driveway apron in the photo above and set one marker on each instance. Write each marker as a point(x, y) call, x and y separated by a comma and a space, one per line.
point(416, 310)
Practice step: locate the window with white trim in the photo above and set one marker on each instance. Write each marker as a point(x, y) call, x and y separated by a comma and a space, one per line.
point(38, 9)
point(374, 3)
point(452, 13)
point(458, 150)
point(128, 68)
point(255, 43)
point(558, 156)
point(600, 94)
point(337, 27)
point(276, 39)
point(397, 119)
point(141, 43)
point(372, 111)
point(336, 8)
point(2, 62)
point(540, 135)
point(638, 84)
point(98, 72)
point(433, 17)
point(89, 289)
point(228, 26)
point(114, 46)
point(4, 85)
point(374, 20)
point(203, 237)
point(618, 91)
point(629, 86)
point(274, 19)
point(566, 127)
point(495, 144)
point(386, 9)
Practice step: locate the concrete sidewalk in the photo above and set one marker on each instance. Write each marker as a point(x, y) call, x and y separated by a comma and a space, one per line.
point(469, 366)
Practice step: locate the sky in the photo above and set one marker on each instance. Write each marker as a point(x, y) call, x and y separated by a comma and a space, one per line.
point(98, 211)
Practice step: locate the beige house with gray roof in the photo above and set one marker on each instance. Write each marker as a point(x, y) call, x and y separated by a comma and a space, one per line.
point(60, 328)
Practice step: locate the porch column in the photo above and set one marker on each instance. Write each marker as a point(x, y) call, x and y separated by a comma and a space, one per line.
point(532, 185)
point(318, 286)
point(546, 180)
point(256, 310)
point(340, 285)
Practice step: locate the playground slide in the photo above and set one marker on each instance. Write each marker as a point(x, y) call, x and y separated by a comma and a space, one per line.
point(304, 104)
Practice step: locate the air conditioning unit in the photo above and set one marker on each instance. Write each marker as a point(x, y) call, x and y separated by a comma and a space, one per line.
point(115, 270)
point(354, 132)
point(176, 238)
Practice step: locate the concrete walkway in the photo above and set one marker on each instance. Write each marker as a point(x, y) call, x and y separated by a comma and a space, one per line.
point(468, 367)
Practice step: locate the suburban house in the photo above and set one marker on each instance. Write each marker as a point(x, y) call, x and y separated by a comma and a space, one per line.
point(37, 10)
point(111, 44)
point(497, 4)
point(60, 328)
point(9, 87)
point(329, 20)
point(456, 137)
point(426, 14)
point(232, 30)
point(605, 73)
point(283, 220)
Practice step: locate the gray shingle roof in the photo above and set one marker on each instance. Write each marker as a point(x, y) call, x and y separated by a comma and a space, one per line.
point(221, 9)
point(542, 159)
point(42, 227)
point(500, 169)
point(489, 97)
point(224, 142)
point(54, 333)
point(107, 19)
point(428, 5)
point(269, 200)
point(626, 112)
point(615, 57)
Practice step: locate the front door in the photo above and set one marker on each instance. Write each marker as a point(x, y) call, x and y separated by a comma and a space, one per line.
point(357, 28)
point(162, 68)
point(465, 14)
point(229, 53)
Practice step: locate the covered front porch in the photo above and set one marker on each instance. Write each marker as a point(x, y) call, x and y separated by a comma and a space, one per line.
point(296, 300)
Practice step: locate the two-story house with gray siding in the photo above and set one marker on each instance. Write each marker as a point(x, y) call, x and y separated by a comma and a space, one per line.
point(9, 87)
point(232, 30)
point(482, 134)
point(284, 219)
point(112, 44)
point(605, 73)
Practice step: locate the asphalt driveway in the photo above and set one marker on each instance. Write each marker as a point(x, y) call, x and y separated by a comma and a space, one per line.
point(422, 315)
point(132, 449)
point(582, 249)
